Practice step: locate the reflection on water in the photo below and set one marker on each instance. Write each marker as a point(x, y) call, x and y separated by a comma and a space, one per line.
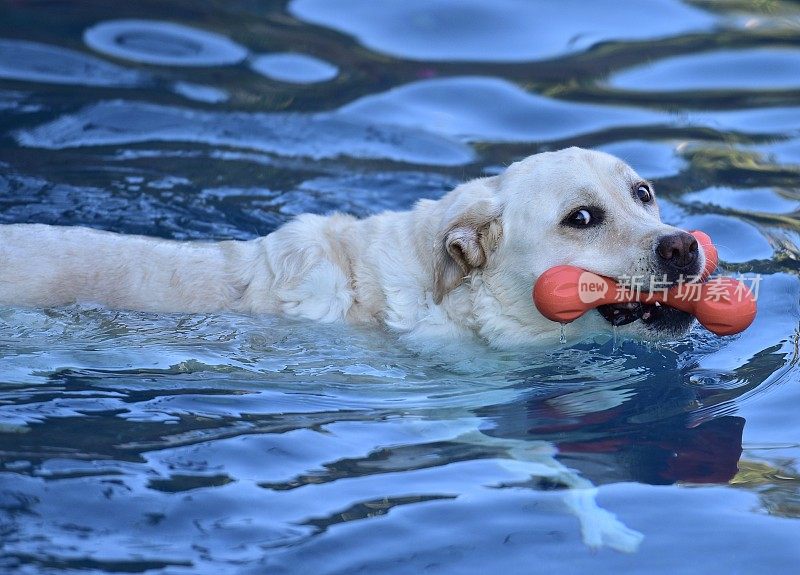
point(313, 136)
point(133, 442)
point(501, 31)
point(776, 68)
point(35, 62)
point(162, 43)
point(295, 68)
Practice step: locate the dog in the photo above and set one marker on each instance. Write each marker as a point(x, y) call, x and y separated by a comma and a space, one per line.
point(461, 267)
point(456, 269)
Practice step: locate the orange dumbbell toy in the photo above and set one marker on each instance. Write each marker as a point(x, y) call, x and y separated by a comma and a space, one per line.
point(722, 305)
point(712, 258)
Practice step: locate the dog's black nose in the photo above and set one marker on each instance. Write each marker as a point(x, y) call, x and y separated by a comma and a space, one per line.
point(677, 251)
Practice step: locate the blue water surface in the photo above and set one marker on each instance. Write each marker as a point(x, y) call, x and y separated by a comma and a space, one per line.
point(223, 444)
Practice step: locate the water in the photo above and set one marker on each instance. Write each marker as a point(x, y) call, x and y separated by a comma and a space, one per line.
point(133, 442)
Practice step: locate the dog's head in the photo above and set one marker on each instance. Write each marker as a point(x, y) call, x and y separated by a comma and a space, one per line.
point(577, 207)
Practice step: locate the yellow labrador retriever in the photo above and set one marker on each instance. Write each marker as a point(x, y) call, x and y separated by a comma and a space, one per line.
point(459, 267)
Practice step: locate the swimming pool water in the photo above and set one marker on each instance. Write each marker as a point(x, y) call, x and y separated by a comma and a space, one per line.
point(191, 444)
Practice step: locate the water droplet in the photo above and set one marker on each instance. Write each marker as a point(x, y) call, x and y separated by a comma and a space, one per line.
point(563, 338)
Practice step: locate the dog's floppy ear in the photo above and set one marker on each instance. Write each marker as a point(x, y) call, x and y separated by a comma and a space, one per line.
point(470, 231)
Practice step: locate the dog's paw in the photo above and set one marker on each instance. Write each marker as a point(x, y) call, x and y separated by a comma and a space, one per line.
point(601, 528)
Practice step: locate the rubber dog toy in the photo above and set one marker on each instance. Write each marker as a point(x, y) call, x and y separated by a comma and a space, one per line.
point(722, 305)
point(710, 251)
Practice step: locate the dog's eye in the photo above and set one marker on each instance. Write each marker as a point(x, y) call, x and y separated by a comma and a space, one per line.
point(643, 193)
point(580, 218)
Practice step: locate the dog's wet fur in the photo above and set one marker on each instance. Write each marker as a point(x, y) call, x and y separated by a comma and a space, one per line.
point(459, 267)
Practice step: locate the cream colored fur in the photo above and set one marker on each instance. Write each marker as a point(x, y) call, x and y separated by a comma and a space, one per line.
point(460, 267)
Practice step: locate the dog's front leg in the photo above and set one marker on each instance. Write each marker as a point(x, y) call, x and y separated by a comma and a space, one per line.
point(599, 527)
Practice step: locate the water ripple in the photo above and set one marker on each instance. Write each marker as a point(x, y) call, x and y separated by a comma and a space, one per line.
point(315, 136)
point(501, 31)
point(162, 43)
point(36, 62)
